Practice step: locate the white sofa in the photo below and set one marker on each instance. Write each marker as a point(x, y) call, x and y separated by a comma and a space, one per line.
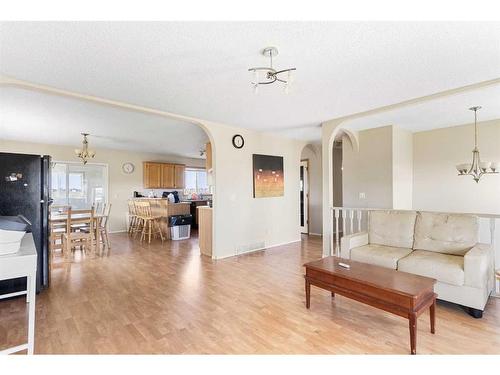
point(442, 246)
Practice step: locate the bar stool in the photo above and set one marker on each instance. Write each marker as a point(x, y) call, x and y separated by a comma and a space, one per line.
point(147, 221)
point(132, 217)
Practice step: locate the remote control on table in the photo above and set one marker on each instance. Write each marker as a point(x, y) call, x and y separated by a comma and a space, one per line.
point(344, 265)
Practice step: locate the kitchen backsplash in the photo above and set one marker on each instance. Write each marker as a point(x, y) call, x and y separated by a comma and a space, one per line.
point(159, 192)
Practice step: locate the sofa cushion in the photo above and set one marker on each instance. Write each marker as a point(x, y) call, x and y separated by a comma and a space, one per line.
point(442, 267)
point(384, 256)
point(392, 228)
point(445, 233)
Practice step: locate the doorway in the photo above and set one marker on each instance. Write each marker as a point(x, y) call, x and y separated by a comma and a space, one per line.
point(304, 196)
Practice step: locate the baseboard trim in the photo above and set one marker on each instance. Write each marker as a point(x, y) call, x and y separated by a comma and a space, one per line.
point(315, 234)
point(254, 250)
point(118, 231)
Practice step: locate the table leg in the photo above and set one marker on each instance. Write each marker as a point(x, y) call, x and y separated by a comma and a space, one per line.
point(433, 316)
point(31, 313)
point(308, 294)
point(413, 332)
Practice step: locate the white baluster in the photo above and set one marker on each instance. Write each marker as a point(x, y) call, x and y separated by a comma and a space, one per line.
point(351, 216)
point(337, 237)
point(344, 217)
point(359, 214)
point(332, 241)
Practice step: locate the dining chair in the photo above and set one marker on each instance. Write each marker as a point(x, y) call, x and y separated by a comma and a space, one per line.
point(102, 225)
point(79, 238)
point(78, 226)
point(56, 231)
point(149, 224)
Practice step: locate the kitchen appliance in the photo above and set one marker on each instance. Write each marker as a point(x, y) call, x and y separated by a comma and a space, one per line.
point(25, 190)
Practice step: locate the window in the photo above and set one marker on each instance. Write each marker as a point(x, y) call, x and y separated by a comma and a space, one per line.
point(78, 185)
point(196, 181)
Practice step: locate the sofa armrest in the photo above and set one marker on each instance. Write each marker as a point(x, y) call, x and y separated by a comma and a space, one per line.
point(350, 242)
point(478, 266)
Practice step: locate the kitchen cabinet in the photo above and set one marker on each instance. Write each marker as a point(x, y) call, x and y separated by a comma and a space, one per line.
point(179, 170)
point(152, 175)
point(167, 176)
point(205, 230)
point(163, 175)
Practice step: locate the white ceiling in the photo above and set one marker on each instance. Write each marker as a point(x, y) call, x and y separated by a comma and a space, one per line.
point(444, 112)
point(38, 117)
point(199, 69)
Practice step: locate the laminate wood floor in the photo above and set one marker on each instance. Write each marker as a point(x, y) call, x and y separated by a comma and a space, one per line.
point(168, 299)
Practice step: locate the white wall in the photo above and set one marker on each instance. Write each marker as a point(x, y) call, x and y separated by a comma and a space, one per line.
point(369, 170)
point(241, 222)
point(337, 173)
point(120, 185)
point(436, 184)
point(312, 153)
point(402, 168)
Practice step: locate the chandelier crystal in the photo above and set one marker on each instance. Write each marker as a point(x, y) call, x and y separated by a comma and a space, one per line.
point(268, 75)
point(84, 153)
point(477, 168)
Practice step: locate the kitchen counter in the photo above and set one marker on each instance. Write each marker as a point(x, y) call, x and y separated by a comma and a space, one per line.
point(162, 207)
point(205, 229)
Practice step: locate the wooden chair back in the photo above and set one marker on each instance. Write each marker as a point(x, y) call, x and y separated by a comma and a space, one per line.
point(98, 207)
point(80, 217)
point(105, 215)
point(143, 210)
point(131, 207)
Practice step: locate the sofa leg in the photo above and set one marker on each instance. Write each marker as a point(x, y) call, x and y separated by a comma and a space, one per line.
point(475, 313)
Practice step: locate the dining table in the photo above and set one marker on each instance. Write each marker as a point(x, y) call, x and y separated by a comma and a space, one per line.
point(61, 217)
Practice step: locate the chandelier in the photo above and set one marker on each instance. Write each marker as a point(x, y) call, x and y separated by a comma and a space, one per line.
point(478, 167)
point(84, 153)
point(268, 75)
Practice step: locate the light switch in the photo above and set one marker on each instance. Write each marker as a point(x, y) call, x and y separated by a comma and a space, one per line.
point(362, 195)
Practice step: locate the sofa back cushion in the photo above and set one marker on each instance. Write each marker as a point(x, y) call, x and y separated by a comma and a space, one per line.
point(446, 233)
point(392, 228)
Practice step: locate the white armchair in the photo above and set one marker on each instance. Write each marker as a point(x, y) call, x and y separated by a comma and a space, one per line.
point(350, 242)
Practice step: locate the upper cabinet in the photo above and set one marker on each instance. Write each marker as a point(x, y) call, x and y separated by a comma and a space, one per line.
point(167, 176)
point(179, 170)
point(163, 175)
point(208, 152)
point(152, 175)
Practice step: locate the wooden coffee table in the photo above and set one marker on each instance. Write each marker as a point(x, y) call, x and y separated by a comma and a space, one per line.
point(400, 293)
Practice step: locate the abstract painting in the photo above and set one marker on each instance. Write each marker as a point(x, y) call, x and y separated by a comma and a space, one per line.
point(268, 179)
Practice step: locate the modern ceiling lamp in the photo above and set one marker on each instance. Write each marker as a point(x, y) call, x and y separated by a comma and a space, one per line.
point(84, 153)
point(478, 168)
point(269, 75)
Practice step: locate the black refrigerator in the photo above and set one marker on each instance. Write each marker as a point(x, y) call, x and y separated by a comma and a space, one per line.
point(25, 190)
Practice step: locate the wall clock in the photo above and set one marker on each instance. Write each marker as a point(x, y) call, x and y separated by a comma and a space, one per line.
point(238, 141)
point(128, 168)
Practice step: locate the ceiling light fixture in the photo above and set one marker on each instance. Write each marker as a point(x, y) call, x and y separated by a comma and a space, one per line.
point(478, 167)
point(84, 153)
point(268, 75)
